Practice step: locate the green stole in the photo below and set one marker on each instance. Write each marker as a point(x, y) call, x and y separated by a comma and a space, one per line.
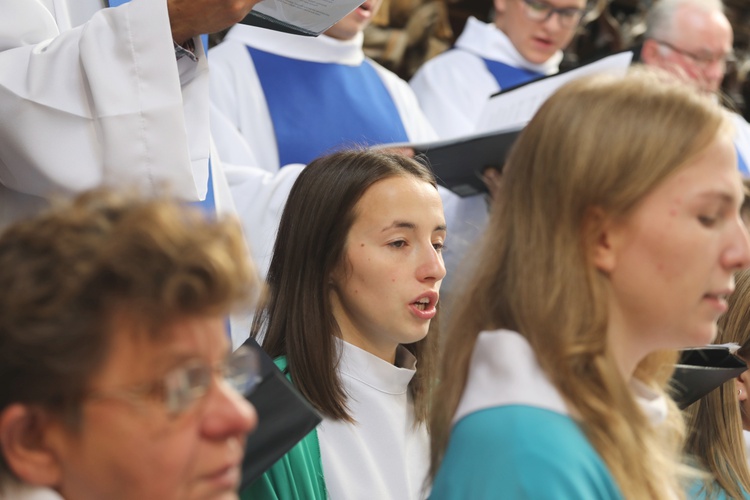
point(298, 474)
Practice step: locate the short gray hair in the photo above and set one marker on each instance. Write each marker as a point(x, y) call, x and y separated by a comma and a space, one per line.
point(660, 18)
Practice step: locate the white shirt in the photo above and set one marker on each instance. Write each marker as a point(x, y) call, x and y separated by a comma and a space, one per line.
point(384, 455)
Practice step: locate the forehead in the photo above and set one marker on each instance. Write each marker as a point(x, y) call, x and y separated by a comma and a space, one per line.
point(702, 29)
point(710, 174)
point(399, 197)
point(136, 355)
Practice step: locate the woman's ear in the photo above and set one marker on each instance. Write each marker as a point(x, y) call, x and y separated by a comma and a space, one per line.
point(741, 383)
point(599, 239)
point(23, 445)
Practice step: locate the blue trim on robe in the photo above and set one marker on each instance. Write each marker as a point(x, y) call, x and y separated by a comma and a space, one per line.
point(741, 164)
point(509, 76)
point(318, 108)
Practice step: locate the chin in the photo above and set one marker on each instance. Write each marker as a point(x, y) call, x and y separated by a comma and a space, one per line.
point(412, 337)
point(704, 336)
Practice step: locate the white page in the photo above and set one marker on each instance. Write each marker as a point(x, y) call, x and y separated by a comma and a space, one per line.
point(515, 108)
point(310, 16)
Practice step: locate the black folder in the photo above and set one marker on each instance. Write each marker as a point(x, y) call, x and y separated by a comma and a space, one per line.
point(284, 418)
point(701, 370)
point(458, 163)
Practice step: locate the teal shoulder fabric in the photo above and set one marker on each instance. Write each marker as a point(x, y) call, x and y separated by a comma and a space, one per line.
point(698, 492)
point(521, 452)
point(298, 474)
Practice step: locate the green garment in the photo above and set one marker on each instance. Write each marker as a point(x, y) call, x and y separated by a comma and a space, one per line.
point(298, 474)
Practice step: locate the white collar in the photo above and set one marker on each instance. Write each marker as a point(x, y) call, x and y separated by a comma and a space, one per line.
point(322, 49)
point(504, 371)
point(653, 404)
point(487, 41)
point(375, 372)
point(21, 491)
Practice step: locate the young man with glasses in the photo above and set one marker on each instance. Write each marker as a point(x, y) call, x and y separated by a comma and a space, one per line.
point(118, 379)
point(693, 39)
point(524, 42)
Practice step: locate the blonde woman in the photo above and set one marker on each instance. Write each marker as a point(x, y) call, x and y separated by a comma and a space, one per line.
point(615, 237)
point(716, 422)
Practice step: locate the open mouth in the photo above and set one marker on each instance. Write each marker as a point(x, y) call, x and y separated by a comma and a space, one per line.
point(422, 304)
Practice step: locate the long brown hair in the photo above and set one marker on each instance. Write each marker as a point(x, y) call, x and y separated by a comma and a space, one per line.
point(602, 144)
point(297, 320)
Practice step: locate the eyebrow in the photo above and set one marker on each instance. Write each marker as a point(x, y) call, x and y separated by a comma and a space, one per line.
point(723, 196)
point(397, 224)
point(174, 358)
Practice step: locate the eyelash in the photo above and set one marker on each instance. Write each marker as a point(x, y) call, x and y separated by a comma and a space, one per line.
point(706, 220)
point(439, 247)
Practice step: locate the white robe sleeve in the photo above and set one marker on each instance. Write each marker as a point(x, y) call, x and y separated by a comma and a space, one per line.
point(240, 119)
point(259, 197)
point(103, 103)
point(452, 90)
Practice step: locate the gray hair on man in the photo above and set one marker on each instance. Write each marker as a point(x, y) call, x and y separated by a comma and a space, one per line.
point(660, 18)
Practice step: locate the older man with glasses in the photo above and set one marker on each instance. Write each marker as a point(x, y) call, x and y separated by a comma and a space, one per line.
point(693, 40)
point(524, 42)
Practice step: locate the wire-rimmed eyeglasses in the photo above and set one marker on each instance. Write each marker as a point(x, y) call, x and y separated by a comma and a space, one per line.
point(183, 386)
point(700, 60)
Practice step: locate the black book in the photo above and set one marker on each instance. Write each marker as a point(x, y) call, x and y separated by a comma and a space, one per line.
point(701, 370)
point(458, 163)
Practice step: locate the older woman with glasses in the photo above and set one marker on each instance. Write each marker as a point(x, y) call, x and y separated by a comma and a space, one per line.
point(524, 42)
point(118, 379)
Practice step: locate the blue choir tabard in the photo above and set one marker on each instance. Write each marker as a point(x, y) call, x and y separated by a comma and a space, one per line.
point(509, 76)
point(318, 108)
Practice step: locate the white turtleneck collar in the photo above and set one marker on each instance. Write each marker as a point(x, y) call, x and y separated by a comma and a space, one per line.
point(322, 49)
point(375, 372)
point(487, 41)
